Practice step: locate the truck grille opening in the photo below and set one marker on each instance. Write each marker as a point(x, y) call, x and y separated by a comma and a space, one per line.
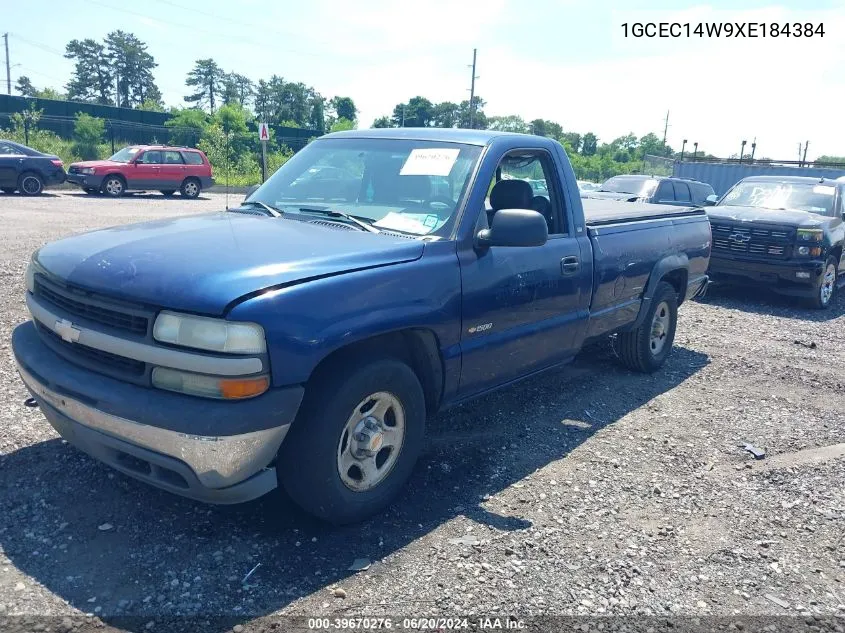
point(99, 360)
point(764, 243)
point(78, 305)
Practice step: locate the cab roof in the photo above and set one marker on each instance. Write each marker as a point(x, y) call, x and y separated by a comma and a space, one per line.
point(444, 135)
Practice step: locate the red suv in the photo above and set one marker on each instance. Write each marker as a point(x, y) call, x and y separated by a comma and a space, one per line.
point(145, 167)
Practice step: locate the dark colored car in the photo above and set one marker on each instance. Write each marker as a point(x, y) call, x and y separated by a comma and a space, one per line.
point(782, 232)
point(27, 170)
point(304, 342)
point(144, 168)
point(683, 192)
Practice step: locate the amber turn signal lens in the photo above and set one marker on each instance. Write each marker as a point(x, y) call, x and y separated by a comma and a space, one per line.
point(815, 252)
point(243, 388)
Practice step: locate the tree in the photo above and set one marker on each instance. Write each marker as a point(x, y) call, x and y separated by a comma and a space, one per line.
point(573, 139)
point(446, 114)
point(92, 78)
point(280, 102)
point(88, 133)
point(187, 126)
point(479, 119)
point(830, 159)
point(344, 108)
point(151, 106)
point(418, 112)
point(133, 67)
point(237, 89)
point(207, 77)
point(317, 120)
point(589, 144)
point(342, 125)
point(509, 123)
point(25, 87)
point(383, 122)
point(650, 144)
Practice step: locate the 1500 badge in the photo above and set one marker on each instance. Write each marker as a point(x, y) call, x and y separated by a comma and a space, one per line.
point(480, 328)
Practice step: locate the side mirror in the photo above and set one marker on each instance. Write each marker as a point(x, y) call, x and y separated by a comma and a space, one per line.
point(514, 227)
point(711, 200)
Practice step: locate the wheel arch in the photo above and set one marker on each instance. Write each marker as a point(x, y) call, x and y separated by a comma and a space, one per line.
point(418, 347)
point(674, 270)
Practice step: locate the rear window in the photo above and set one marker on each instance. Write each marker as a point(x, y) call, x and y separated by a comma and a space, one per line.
point(193, 158)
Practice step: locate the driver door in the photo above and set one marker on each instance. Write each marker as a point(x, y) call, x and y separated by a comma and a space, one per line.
point(522, 306)
point(146, 171)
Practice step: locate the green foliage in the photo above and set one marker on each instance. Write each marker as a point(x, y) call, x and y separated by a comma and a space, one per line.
point(88, 133)
point(589, 144)
point(418, 112)
point(342, 125)
point(237, 89)
point(92, 78)
point(132, 66)
point(24, 86)
point(510, 123)
point(383, 122)
point(343, 108)
point(831, 159)
point(187, 126)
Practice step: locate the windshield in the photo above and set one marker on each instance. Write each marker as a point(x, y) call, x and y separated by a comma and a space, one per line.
point(396, 184)
point(634, 185)
point(812, 197)
point(125, 155)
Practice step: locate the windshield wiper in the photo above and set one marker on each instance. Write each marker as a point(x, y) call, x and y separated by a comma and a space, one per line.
point(273, 211)
point(340, 214)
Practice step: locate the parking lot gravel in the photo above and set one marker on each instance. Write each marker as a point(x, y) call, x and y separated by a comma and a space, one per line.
point(584, 491)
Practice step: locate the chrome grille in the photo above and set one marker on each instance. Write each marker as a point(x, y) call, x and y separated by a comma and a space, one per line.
point(82, 305)
point(95, 359)
point(765, 243)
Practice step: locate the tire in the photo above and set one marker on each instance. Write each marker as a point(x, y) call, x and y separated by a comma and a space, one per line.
point(639, 349)
point(167, 192)
point(8, 190)
point(30, 184)
point(317, 465)
point(114, 186)
point(826, 286)
point(190, 188)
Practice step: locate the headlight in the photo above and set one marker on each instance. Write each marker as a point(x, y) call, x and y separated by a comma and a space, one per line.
point(215, 335)
point(87, 170)
point(209, 386)
point(30, 278)
point(803, 250)
point(810, 235)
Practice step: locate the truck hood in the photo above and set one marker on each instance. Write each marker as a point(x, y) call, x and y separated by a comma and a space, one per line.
point(203, 263)
point(609, 195)
point(787, 217)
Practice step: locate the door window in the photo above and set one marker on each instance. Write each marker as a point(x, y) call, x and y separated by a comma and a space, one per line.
point(536, 169)
point(682, 192)
point(172, 158)
point(152, 157)
point(664, 192)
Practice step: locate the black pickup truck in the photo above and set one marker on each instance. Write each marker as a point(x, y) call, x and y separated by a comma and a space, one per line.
point(784, 232)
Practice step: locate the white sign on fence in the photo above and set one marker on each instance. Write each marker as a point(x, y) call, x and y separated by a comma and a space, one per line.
point(263, 132)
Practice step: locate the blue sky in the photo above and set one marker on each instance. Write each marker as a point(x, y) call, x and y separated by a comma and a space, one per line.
point(564, 60)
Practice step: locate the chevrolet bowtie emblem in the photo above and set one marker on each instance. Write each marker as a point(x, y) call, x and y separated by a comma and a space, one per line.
point(67, 331)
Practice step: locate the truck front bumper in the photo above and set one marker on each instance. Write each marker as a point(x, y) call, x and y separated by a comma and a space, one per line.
point(104, 418)
point(790, 277)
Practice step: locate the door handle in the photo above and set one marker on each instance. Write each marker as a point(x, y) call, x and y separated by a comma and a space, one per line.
point(569, 265)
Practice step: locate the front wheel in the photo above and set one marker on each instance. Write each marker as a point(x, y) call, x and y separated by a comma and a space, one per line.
point(355, 442)
point(826, 286)
point(646, 348)
point(114, 186)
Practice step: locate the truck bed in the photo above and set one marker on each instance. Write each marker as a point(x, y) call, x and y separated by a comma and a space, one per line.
point(600, 212)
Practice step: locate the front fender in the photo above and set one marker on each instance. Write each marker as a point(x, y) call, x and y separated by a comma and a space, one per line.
point(307, 322)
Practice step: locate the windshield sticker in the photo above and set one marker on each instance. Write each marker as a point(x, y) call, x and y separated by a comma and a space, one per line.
point(824, 190)
point(399, 222)
point(430, 221)
point(430, 162)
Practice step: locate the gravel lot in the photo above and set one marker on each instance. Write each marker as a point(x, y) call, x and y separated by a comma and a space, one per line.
point(586, 491)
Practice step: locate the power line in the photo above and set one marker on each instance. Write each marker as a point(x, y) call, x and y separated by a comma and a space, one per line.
point(251, 25)
point(39, 45)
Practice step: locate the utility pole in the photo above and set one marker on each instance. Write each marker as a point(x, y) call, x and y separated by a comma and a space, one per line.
point(8, 66)
point(403, 115)
point(472, 91)
point(806, 145)
point(799, 154)
point(753, 148)
point(665, 130)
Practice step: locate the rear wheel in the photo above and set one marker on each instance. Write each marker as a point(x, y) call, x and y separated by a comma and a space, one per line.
point(167, 192)
point(114, 186)
point(826, 288)
point(9, 190)
point(355, 442)
point(190, 188)
point(646, 348)
point(30, 184)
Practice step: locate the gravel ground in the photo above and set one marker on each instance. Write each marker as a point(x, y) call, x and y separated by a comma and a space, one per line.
point(586, 491)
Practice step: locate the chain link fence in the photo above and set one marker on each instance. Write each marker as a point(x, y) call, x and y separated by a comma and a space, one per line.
point(657, 165)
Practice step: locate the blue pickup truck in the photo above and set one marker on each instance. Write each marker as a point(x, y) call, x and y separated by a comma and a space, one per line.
point(302, 339)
